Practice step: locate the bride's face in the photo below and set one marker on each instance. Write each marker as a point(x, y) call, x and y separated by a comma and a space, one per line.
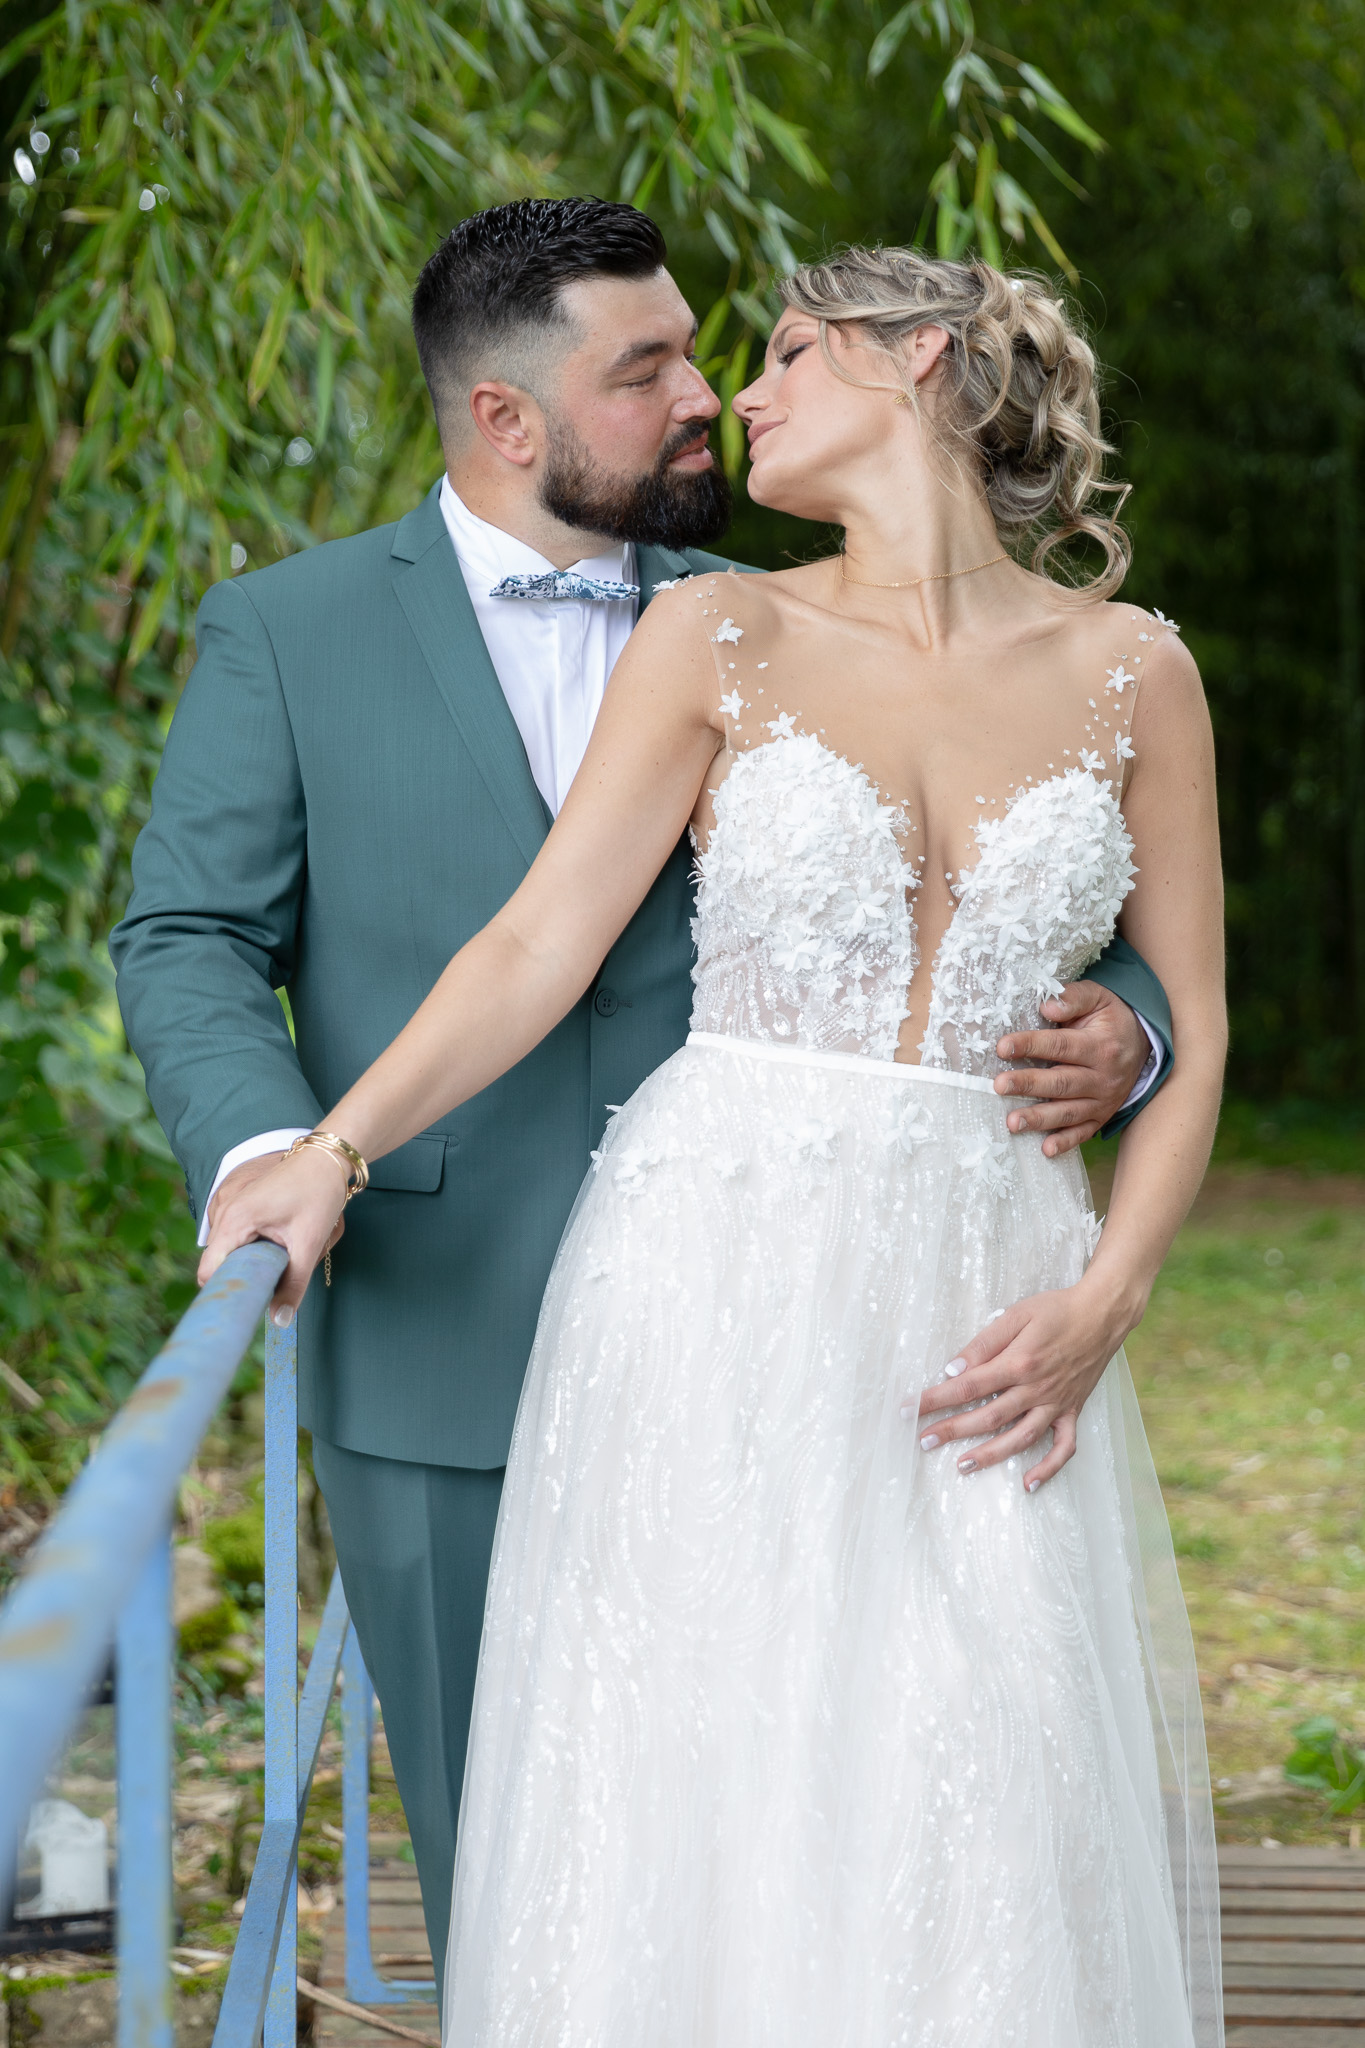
point(813, 436)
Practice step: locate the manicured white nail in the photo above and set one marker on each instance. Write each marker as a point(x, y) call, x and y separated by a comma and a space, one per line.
point(282, 1317)
point(966, 1464)
point(909, 1409)
point(930, 1443)
point(1034, 1484)
point(954, 1367)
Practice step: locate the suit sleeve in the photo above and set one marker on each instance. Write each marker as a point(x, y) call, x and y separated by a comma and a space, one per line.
point(211, 930)
point(1123, 971)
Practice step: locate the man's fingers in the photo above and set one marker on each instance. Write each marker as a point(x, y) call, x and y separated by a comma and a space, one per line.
point(1053, 1116)
point(1066, 1141)
point(1068, 1048)
point(1077, 999)
point(1063, 1449)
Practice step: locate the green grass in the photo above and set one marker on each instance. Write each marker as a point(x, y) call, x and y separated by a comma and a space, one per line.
point(1250, 1366)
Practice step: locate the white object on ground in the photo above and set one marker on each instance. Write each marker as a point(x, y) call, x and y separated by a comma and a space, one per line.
point(74, 1855)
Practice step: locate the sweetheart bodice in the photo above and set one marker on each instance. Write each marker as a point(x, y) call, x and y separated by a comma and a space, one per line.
point(805, 931)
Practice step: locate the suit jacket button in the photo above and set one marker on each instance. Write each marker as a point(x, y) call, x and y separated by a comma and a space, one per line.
point(606, 1002)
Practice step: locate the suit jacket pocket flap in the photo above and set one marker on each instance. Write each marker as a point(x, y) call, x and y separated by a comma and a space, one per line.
point(411, 1169)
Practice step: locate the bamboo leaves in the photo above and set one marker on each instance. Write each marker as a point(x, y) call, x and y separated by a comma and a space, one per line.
point(978, 91)
point(270, 347)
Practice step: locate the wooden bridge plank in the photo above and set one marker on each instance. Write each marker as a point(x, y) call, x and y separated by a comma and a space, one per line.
point(1293, 1927)
point(1306, 1979)
point(1241, 1855)
point(1316, 1877)
point(1287, 2006)
point(1254, 1903)
point(1293, 1955)
point(1293, 2037)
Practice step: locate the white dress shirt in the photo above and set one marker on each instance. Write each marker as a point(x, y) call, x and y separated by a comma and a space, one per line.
point(552, 657)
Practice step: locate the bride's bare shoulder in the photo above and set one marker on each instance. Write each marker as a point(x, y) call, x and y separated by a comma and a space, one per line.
point(1121, 641)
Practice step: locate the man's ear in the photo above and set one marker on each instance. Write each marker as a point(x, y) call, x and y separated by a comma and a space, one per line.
point(510, 421)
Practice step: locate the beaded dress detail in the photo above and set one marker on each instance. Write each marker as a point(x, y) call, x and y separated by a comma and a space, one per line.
point(803, 927)
point(785, 1732)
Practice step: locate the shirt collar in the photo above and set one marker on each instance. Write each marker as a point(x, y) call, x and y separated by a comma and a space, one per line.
point(487, 550)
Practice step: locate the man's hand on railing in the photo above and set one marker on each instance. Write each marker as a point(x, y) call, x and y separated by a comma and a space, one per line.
point(293, 1199)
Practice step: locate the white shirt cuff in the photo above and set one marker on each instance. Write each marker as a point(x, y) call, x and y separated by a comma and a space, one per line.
point(1152, 1068)
point(250, 1148)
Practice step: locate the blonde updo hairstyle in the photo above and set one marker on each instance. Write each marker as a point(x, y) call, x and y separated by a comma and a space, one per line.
point(1019, 403)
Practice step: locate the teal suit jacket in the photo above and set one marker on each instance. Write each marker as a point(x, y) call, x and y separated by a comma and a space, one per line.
point(344, 800)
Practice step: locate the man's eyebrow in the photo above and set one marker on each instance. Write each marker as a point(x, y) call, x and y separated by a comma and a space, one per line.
point(641, 351)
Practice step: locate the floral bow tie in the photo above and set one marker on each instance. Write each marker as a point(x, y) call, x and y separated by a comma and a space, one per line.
point(564, 583)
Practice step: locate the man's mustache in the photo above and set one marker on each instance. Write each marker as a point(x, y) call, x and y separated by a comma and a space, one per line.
point(686, 436)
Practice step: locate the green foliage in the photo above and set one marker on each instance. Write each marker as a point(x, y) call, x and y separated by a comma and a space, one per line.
point(212, 225)
point(237, 1546)
point(211, 1629)
point(1310, 1137)
point(1329, 1762)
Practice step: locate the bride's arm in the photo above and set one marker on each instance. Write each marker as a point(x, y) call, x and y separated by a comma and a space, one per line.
point(1044, 1357)
point(655, 738)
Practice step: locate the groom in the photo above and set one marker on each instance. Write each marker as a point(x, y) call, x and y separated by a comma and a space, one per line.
point(367, 758)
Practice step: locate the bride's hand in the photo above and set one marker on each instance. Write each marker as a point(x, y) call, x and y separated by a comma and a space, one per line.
point(298, 1204)
point(1038, 1364)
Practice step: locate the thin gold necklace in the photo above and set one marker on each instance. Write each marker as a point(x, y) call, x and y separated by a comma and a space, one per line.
point(942, 576)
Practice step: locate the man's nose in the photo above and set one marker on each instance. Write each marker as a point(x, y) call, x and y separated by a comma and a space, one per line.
point(701, 402)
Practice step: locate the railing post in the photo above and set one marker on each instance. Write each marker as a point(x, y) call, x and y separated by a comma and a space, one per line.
point(363, 1981)
point(145, 1782)
point(356, 1729)
point(282, 1655)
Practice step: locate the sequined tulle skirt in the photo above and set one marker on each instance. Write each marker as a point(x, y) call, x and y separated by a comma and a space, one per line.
point(786, 1735)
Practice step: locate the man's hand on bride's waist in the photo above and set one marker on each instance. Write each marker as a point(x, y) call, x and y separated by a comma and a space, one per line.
point(1037, 1365)
point(1096, 1051)
point(297, 1203)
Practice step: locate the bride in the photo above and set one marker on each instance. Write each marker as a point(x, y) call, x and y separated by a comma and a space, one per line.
point(835, 1685)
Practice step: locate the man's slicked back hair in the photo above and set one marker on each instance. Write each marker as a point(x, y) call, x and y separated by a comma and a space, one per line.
point(489, 300)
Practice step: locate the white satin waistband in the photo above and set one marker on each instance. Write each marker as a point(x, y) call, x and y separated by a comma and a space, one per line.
point(841, 1062)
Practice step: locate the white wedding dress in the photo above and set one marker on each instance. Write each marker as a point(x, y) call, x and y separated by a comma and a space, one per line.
point(786, 1734)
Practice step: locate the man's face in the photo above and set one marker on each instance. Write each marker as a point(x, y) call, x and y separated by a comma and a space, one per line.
point(630, 417)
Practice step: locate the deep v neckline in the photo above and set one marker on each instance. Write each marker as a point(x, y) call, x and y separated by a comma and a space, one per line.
point(991, 848)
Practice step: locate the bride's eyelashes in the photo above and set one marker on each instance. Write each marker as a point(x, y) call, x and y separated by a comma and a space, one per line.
point(789, 355)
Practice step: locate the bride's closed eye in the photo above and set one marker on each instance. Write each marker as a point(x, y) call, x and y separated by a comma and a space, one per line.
point(789, 355)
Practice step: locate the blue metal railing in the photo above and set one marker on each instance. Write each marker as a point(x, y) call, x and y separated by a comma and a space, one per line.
point(103, 1570)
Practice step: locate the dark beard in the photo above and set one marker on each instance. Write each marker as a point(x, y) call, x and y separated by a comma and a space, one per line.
point(659, 509)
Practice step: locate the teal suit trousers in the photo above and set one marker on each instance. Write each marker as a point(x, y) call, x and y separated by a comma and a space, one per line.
point(414, 1544)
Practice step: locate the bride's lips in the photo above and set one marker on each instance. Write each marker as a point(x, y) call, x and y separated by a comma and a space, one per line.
point(756, 433)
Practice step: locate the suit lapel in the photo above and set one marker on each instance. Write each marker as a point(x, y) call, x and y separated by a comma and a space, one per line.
point(658, 565)
point(430, 588)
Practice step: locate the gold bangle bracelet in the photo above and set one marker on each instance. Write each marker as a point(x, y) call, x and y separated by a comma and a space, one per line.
point(347, 1158)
